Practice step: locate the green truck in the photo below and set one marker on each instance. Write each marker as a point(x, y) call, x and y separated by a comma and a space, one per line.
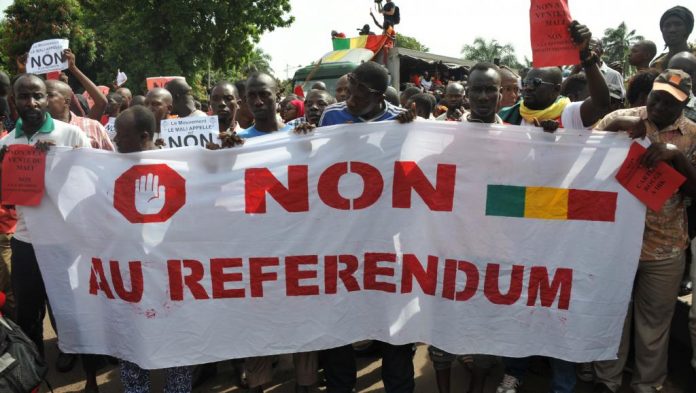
point(402, 64)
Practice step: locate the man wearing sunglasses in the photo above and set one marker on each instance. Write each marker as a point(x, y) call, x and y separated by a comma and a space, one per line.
point(541, 102)
point(366, 102)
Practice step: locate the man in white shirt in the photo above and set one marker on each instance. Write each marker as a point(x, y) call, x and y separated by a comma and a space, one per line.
point(612, 77)
point(34, 125)
point(541, 103)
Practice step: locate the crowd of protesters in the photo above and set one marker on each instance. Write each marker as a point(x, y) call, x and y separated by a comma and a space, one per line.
point(658, 102)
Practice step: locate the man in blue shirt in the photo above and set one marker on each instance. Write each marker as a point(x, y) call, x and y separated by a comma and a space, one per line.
point(366, 103)
point(366, 86)
point(261, 92)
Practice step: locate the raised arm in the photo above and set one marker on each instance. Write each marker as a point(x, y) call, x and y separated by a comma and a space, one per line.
point(375, 19)
point(597, 105)
point(99, 99)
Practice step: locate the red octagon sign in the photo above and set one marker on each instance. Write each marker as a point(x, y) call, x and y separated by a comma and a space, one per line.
point(144, 187)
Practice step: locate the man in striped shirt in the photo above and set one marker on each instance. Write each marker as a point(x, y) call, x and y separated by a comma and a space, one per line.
point(59, 98)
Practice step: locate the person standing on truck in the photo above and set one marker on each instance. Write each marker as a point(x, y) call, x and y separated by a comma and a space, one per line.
point(391, 14)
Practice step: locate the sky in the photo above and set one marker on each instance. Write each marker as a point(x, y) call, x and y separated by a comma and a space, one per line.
point(445, 26)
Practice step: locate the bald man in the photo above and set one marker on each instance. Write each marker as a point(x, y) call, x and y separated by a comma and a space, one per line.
point(319, 86)
point(183, 104)
point(138, 100)
point(510, 87)
point(541, 101)
point(159, 101)
point(342, 89)
point(59, 98)
point(454, 101)
point(127, 97)
point(686, 61)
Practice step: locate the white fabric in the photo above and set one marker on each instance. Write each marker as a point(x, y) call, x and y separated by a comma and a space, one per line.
point(63, 134)
point(77, 221)
point(613, 77)
point(570, 117)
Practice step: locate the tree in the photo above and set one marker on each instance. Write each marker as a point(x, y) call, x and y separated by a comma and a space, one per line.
point(29, 21)
point(180, 37)
point(404, 41)
point(489, 51)
point(258, 61)
point(617, 43)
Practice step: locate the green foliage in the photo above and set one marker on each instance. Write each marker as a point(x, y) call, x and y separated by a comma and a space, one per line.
point(617, 44)
point(203, 79)
point(483, 50)
point(181, 37)
point(29, 21)
point(404, 41)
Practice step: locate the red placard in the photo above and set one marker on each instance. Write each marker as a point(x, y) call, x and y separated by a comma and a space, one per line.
point(55, 75)
point(651, 186)
point(551, 41)
point(160, 81)
point(23, 170)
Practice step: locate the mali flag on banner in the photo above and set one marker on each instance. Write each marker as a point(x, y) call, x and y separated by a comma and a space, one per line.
point(371, 42)
point(549, 203)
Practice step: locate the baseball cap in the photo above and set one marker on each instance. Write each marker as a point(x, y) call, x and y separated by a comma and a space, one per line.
point(675, 82)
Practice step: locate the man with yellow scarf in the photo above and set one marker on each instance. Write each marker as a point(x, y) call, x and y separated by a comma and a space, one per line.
point(542, 104)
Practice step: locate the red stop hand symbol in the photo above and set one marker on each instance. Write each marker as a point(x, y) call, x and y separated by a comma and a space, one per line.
point(149, 193)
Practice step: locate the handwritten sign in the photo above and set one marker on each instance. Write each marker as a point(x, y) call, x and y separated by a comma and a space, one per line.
point(551, 41)
point(23, 175)
point(110, 128)
point(47, 56)
point(651, 186)
point(160, 81)
point(190, 131)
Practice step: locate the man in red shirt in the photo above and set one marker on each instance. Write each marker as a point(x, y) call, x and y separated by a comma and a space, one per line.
point(8, 222)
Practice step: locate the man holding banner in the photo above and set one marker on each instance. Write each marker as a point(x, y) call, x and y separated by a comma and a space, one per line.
point(541, 102)
point(34, 125)
point(135, 129)
point(159, 102)
point(673, 140)
point(485, 92)
point(183, 104)
point(366, 103)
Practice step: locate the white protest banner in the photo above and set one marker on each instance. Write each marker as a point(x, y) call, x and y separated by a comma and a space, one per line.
point(110, 128)
point(474, 238)
point(189, 131)
point(46, 56)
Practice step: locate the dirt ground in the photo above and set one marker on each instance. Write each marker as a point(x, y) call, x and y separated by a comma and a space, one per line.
point(681, 379)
